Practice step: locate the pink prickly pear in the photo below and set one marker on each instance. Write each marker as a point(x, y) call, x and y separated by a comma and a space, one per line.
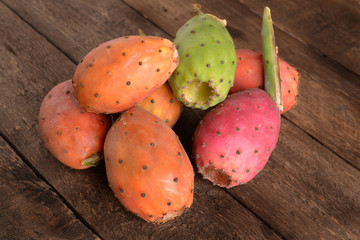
point(75, 137)
point(233, 142)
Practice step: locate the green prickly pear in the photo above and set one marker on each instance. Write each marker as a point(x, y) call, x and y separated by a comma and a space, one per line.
point(207, 63)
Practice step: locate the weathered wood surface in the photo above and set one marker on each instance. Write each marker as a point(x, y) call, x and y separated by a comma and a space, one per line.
point(310, 188)
point(30, 209)
point(33, 66)
point(327, 105)
point(331, 26)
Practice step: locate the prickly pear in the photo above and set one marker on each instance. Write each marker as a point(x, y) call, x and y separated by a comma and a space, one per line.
point(233, 141)
point(207, 62)
point(250, 74)
point(163, 104)
point(249, 71)
point(289, 84)
point(118, 73)
point(75, 137)
point(147, 167)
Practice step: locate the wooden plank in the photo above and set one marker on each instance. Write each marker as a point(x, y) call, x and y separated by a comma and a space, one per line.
point(327, 105)
point(305, 192)
point(30, 209)
point(331, 26)
point(327, 91)
point(76, 27)
point(29, 67)
point(303, 196)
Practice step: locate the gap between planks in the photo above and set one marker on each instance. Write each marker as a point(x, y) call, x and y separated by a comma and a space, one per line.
point(325, 146)
point(38, 32)
point(308, 45)
point(41, 177)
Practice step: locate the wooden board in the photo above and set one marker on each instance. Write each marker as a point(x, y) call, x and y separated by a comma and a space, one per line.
point(214, 214)
point(310, 187)
point(335, 118)
point(30, 209)
point(330, 26)
point(305, 191)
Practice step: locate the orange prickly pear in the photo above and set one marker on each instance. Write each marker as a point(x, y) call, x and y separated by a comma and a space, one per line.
point(289, 84)
point(119, 73)
point(147, 167)
point(249, 71)
point(75, 137)
point(250, 74)
point(163, 104)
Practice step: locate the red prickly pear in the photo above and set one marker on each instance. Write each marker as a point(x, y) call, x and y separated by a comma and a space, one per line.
point(163, 104)
point(74, 136)
point(147, 168)
point(250, 74)
point(119, 73)
point(234, 141)
point(289, 84)
point(249, 71)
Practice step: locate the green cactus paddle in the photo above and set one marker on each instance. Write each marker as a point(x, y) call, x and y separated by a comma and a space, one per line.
point(270, 58)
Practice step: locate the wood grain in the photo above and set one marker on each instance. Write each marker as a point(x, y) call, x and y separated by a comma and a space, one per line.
point(327, 105)
point(30, 209)
point(76, 27)
point(30, 67)
point(305, 192)
point(331, 26)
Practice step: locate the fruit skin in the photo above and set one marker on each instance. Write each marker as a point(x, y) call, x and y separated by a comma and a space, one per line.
point(250, 74)
point(163, 104)
point(147, 168)
point(207, 62)
point(289, 84)
point(75, 137)
point(119, 73)
point(234, 140)
point(249, 71)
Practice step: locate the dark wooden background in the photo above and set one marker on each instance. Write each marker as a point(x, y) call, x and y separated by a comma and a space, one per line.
point(310, 188)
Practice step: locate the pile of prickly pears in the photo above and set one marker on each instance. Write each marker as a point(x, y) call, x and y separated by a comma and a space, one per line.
point(126, 95)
